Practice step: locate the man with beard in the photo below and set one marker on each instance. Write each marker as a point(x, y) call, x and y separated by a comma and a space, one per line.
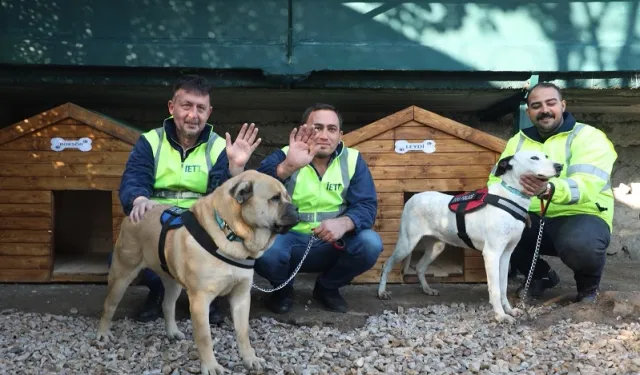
point(333, 189)
point(579, 218)
point(178, 163)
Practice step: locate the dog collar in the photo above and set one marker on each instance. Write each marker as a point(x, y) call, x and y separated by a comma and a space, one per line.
point(514, 190)
point(231, 236)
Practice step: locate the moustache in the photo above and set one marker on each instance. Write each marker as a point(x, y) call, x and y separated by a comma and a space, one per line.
point(543, 116)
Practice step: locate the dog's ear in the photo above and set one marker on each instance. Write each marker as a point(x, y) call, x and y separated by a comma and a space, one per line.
point(503, 166)
point(242, 191)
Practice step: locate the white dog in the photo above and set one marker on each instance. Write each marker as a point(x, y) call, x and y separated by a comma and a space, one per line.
point(490, 228)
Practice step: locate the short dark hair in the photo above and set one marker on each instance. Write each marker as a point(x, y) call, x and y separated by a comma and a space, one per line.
point(544, 85)
point(319, 107)
point(192, 84)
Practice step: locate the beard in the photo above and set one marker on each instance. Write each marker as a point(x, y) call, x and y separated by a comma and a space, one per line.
point(190, 130)
point(546, 122)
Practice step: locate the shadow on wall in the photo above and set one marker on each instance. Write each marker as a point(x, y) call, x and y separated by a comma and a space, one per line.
point(500, 35)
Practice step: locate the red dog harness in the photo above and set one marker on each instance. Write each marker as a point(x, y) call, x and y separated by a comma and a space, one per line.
point(462, 204)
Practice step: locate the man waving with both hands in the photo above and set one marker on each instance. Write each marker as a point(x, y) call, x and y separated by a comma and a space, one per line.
point(334, 191)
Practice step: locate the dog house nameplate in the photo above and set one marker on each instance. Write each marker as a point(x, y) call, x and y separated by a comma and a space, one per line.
point(428, 146)
point(82, 144)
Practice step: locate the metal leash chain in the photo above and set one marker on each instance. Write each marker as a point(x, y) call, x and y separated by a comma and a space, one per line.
point(311, 240)
point(533, 263)
point(543, 211)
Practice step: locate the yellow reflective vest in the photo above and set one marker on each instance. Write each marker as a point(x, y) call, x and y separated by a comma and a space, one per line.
point(323, 198)
point(182, 183)
point(584, 186)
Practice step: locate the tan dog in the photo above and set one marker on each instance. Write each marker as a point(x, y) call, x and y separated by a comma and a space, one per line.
point(255, 207)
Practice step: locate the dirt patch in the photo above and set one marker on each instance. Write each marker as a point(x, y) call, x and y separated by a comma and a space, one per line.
point(612, 308)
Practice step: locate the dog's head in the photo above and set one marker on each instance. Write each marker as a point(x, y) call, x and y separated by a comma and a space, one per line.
point(528, 162)
point(264, 202)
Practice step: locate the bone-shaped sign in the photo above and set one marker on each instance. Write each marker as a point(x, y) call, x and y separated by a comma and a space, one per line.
point(427, 146)
point(82, 144)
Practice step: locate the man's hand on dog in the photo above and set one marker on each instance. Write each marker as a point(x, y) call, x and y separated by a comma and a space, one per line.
point(532, 186)
point(331, 230)
point(140, 206)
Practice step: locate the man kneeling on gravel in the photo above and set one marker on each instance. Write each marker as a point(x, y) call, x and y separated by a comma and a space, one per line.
point(579, 218)
point(333, 189)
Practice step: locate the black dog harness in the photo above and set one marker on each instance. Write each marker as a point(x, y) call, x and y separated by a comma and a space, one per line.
point(176, 217)
point(465, 203)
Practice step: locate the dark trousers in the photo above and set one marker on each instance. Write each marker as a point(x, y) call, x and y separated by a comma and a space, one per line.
point(337, 267)
point(580, 241)
point(149, 278)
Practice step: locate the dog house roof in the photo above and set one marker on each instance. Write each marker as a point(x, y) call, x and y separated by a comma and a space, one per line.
point(429, 119)
point(101, 122)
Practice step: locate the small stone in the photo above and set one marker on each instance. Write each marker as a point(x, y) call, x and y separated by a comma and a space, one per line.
point(73, 310)
point(360, 362)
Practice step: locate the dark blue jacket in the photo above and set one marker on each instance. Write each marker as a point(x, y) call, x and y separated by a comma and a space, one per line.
point(138, 177)
point(362, 200)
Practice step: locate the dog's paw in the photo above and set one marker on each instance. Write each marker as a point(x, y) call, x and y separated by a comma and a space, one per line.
point(384, 295)
point(514, 311)
point(430, 291)
point(212, 369)
point(253, 362)
point(105, 336)
point(176, 335)
point(504, 318)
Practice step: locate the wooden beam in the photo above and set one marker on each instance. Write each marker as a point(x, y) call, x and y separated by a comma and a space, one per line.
point(104, 123)
point(459, 130)
point(380, 126)
point(33, 123)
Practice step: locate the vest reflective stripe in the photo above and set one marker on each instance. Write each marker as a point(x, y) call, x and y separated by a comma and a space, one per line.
point(575, 191)
point(210, 142)
point(570, 138)
point(583, 168)
point(312, 195)
point(346, 180)
point(571, 169)
point(588, 169)
point(177, 182)
point(176, 194)
point(520, 142)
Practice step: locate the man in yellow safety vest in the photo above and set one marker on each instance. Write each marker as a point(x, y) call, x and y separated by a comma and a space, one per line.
point(579, 218)
point(176, 164)
point(333, 189)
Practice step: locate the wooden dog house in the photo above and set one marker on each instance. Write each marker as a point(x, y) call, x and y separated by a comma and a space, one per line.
point(412, 151)
point(60, 213)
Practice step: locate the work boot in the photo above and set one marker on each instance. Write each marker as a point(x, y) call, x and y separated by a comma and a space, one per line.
point(151, 308)
point(589, 295)
point(281, 301)
point(538, 286)
point(330, 298)
point(215, 315)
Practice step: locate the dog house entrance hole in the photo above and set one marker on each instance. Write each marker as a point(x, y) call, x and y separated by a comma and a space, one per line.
point(450, 263)
point(82, 234)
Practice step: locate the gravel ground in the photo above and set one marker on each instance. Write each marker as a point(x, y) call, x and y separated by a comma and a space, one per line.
point(438, 339)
